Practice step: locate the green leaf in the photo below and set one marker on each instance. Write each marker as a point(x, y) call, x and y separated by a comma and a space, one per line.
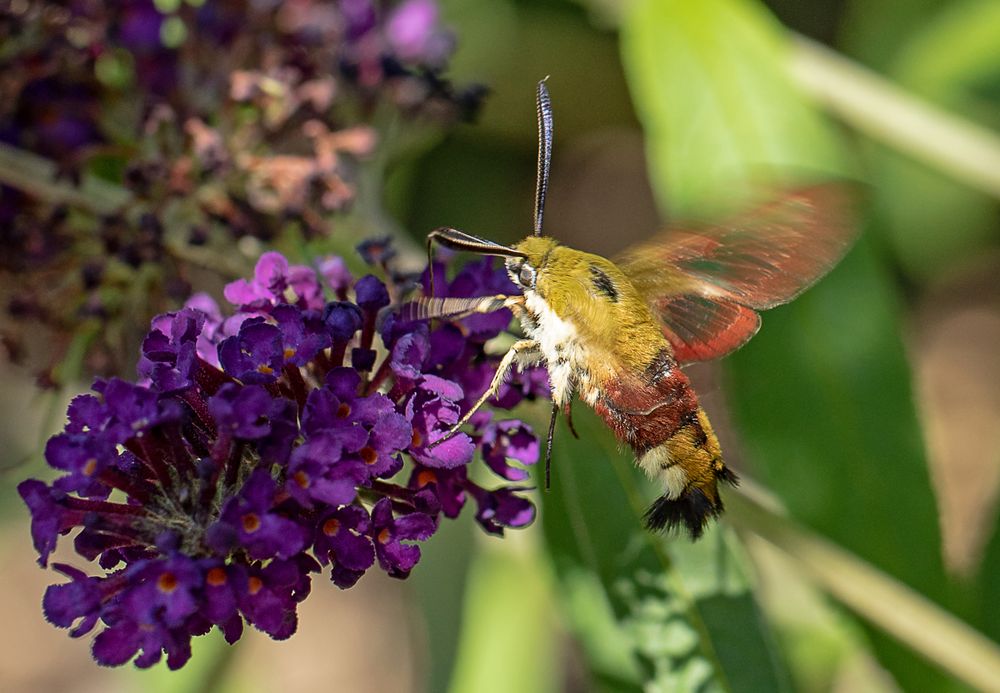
point(823, 393)
point(711, 87)
point(892, 606)
point(508, 618)
point(825, 406)
point(954, 62)
point(442, 574)
point(651, 613)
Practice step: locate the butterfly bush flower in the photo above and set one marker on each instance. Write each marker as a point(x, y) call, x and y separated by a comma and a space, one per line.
point(260, 448)
point(245, 119)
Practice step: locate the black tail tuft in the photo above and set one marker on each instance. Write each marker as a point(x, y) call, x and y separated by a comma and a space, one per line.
point(692, 509)
point(728, 475)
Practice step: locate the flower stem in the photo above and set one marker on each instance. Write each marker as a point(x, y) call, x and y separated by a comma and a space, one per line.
point(891, 115)
point(38, 177)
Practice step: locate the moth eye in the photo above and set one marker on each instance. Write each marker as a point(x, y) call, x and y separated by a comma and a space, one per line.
point(527, 276)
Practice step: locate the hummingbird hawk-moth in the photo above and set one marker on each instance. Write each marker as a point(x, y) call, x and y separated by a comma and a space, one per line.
point(616, 332)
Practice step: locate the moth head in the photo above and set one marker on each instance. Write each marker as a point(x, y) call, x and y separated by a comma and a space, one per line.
point(524, 271)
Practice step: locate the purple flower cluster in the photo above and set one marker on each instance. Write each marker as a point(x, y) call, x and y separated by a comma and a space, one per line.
point(213, 121)
point(260, 447)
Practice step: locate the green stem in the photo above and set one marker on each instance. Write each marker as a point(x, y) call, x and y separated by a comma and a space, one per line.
point(889, 114)
point(36, 176)
point(880, 599)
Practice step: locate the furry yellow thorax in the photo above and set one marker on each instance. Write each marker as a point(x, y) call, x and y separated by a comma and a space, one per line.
point(594, 295)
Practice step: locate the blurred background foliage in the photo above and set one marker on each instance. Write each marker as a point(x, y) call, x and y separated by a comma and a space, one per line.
point(861, 553)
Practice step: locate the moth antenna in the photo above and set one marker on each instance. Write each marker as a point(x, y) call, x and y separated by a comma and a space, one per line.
point(544, 108)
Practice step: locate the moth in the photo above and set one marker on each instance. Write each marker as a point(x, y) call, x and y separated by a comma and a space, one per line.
point(615, 332)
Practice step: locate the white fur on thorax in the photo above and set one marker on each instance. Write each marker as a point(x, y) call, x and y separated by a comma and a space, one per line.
point(559, 342)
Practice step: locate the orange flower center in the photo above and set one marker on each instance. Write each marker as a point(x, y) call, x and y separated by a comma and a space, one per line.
point(167, 582)
point(302, 479)
point(90, 466)
point(417, 440)
point(369, 455)
point(425, 477)
point(344, 410)
point(251, 523)
point(383, 536)
point(254, 585)
point(216, 577)
point(331, 527)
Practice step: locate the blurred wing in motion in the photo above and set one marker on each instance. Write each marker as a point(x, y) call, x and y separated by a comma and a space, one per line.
point(705, 284)
point(426, 308)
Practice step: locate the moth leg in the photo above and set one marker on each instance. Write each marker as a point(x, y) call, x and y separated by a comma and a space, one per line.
point(568, 411)
point(522, 348)
point(548, 445)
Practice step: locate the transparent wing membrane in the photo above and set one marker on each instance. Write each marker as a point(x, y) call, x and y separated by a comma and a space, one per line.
point(704, 283)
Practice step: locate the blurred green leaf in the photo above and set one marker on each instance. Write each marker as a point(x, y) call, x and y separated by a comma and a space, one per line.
point(987, 587)
point(954, 61)
point(893, 607)
point(718, 109)
point(873, 31)
point(508, 640)
point(651, 614)
point(825, 405)
point(443, 574)
point(210, 670)
point(956, 58)
point(823, 394)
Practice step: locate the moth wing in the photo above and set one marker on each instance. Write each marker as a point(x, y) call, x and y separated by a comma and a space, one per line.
point(706, 283)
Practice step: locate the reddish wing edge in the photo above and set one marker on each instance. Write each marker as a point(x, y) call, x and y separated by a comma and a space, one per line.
point(706, 284)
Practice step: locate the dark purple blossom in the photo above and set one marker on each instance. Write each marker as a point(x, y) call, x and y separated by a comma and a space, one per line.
point(260, 448)
point(505, 440)
point(388, 533)
point(219, 144)
point(255, 355)
point(377, 251)
point(250, 521)
point(342, 539)
point(502, 508)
